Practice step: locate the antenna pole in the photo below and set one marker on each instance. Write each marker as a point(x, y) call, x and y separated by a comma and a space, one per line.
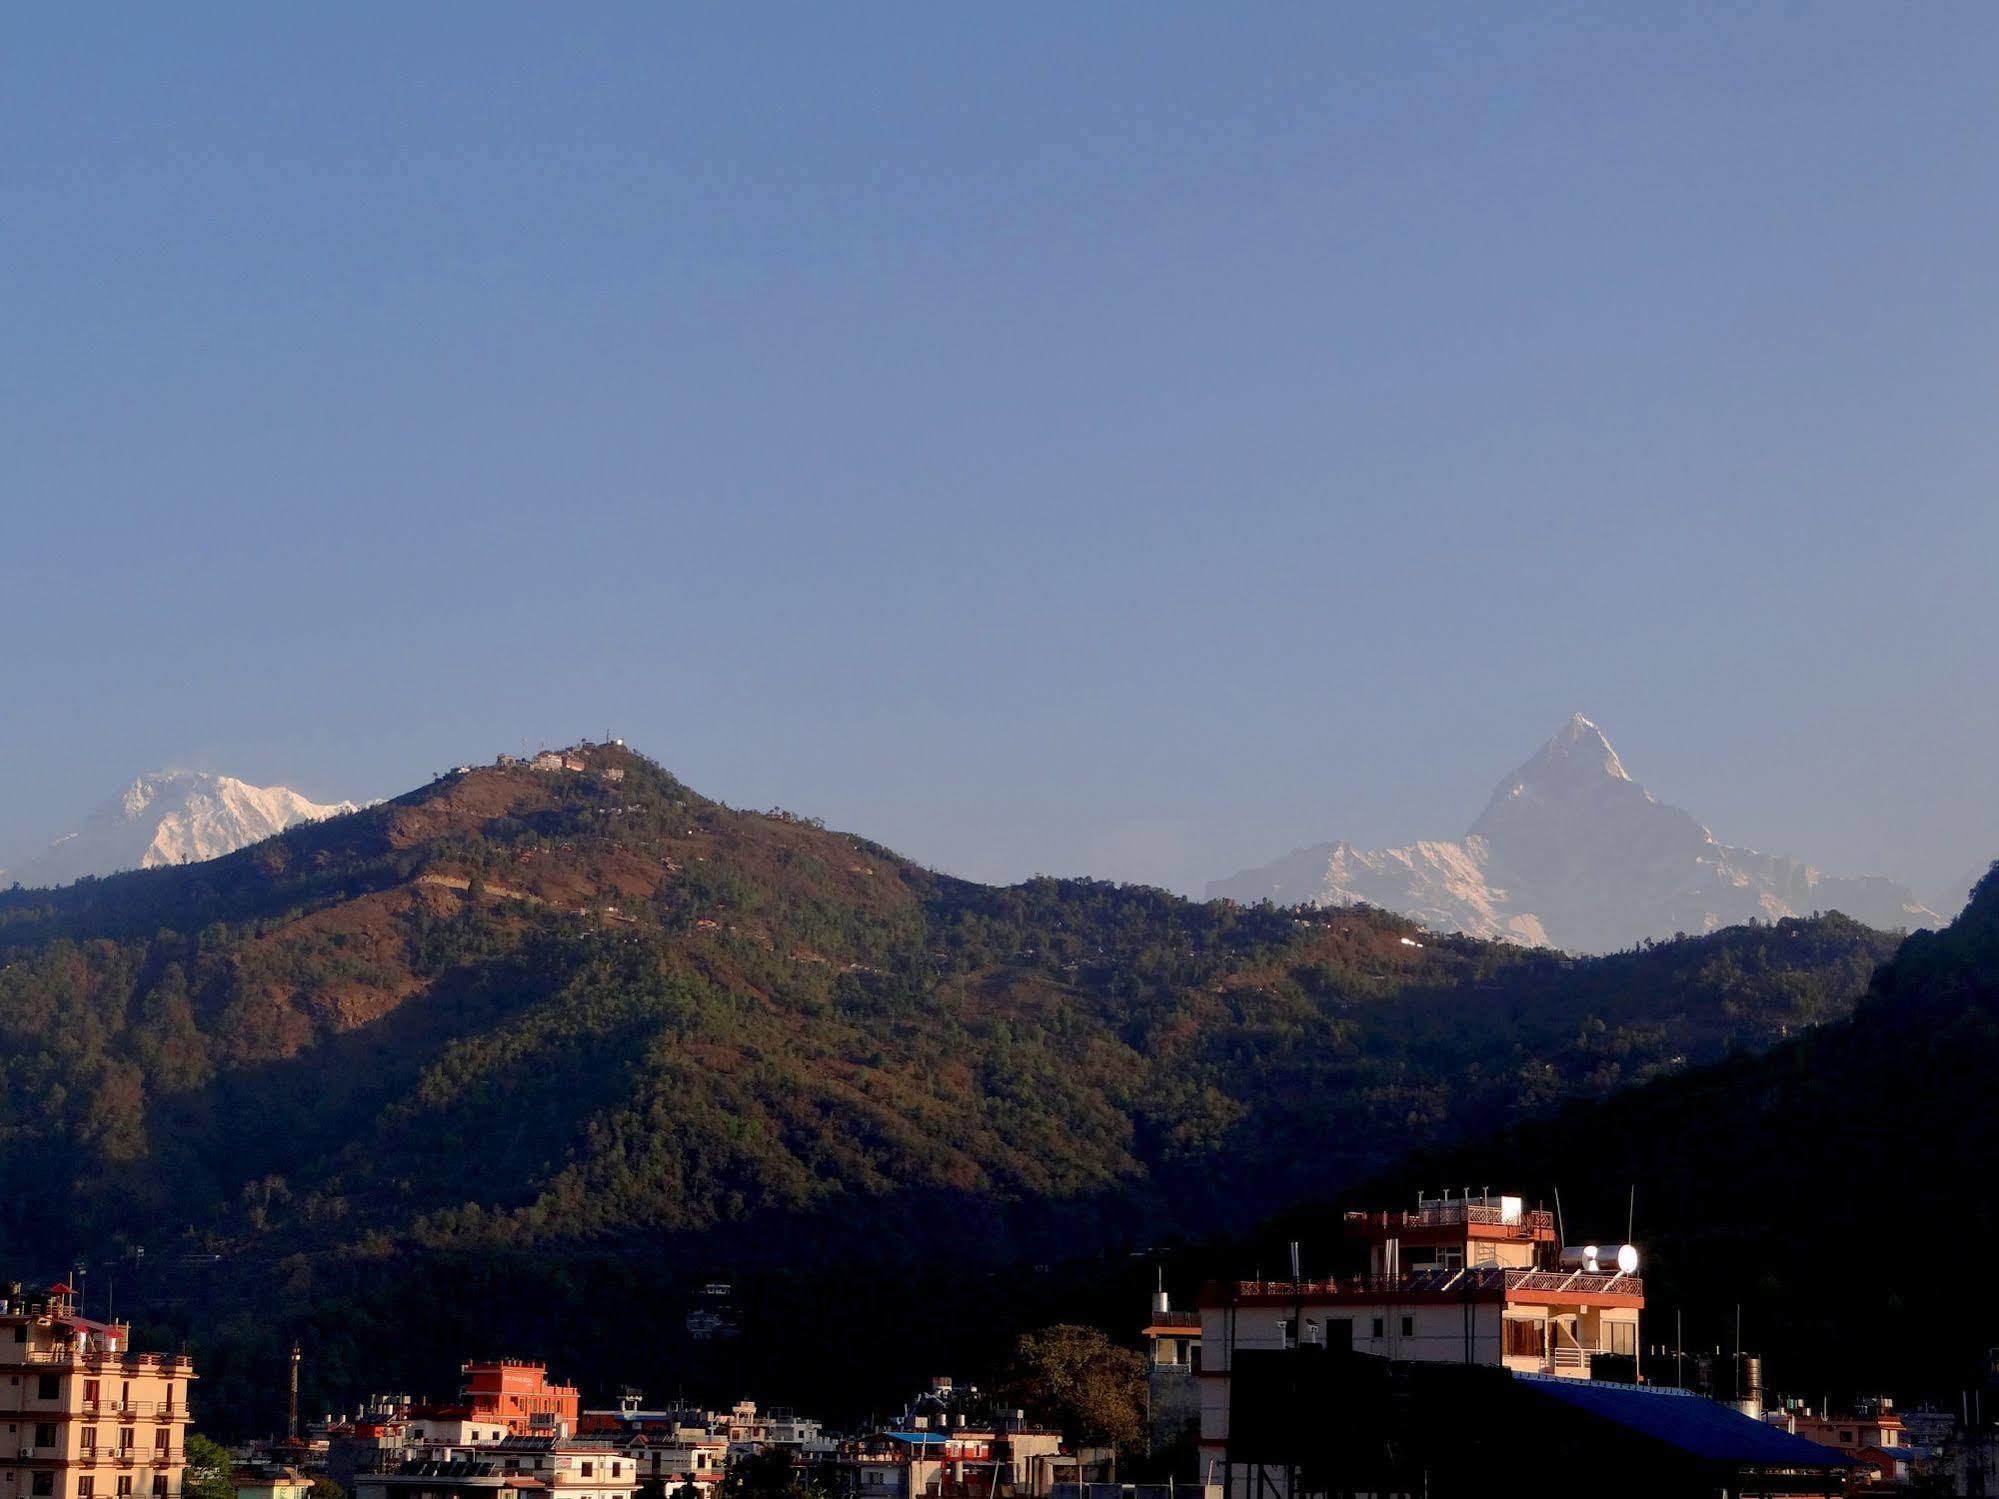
point(1631, 1216)
point(1561, 1227)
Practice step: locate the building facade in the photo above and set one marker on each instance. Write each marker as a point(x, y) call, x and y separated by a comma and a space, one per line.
point(86, 1417)
point(1476, 1281)
point(517, 1394)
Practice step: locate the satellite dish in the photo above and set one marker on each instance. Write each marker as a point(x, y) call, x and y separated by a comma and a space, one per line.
point(1627, 1259)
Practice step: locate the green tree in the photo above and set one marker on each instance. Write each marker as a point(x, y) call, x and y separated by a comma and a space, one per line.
point(1076, 1378)
point(767, 1475)
point(208, 1469)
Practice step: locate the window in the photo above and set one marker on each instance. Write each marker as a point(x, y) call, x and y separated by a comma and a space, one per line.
point(587, 1470)
point(160, 1439)
point(88, 1440)
point(159, 1486)
point(1380, 1329)
point(20, 1332)
point(45, 1434)
point(92, 1392)
point(42, 1483)
point(1523, 1339)
point(125, 1440)
point(124, 1486)
point(49, 1387)
point(1408, 1327)
point(86, 1486)
point(1620, 1337)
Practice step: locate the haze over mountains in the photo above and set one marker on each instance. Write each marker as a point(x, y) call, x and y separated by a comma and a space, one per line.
point(1571, 852)
point(169, 817)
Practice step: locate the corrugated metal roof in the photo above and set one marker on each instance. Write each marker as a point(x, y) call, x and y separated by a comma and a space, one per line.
point(1696, 1425)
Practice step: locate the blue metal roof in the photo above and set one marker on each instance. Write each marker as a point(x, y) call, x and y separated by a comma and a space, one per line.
point(926, 1437)
point(1696, 1425)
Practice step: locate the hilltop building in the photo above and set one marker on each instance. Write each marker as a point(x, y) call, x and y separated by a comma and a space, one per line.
point(87, 1417)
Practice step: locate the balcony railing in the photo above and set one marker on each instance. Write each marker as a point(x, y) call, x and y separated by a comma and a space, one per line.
point(97, 1358)
point(1529, 1225)
point(1472, 1280)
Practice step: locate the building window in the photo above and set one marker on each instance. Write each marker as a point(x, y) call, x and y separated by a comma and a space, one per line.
point(159, 1486)
point(92, 1392)
point(1620, 1337)
point(88, 1440)
point(1523, 1339)
point(160, 1439)
point(1380, 1329)
point(86, 1486)
point(49, 1387)
point(42, 1483)
point(125, 1486)
point(45, 1434)
point(1408, 1327)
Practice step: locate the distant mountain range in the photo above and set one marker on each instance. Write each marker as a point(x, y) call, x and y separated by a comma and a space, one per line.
point(1572, 853)
point(169, 817)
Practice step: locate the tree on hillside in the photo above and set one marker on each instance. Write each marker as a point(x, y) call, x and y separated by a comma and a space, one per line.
point(1076, 1378)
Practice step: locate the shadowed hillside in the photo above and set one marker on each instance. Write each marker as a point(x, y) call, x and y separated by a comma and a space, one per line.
point(587, 1024)
point(1835, 1187)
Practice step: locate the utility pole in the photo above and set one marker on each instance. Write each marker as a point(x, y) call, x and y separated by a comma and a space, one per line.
point(291, 1416)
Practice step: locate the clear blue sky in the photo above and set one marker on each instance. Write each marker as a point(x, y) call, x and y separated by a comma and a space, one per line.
point(1124, 439)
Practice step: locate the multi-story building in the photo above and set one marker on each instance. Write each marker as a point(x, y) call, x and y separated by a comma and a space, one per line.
point(677, 1454)
point(525, 1467)
point(517, 1395)
point(1173, 1348)
point(86, 1417)
point(1469, 1280)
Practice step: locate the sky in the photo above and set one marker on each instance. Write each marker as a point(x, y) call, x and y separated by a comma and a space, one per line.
point(1131, 440)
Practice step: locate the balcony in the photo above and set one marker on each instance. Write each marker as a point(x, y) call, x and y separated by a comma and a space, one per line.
point(1467, 1282)
point(178, 1365)
point(1528, 1226)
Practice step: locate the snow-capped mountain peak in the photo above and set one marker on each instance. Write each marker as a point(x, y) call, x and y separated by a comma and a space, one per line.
point(1572, 852)
point(170, 817)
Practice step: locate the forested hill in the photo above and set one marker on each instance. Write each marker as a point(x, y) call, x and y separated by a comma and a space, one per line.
point(1836, 1188)
point(570, 1012)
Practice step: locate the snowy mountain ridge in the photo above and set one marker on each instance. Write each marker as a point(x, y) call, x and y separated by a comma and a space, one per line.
point(170, 817)
point(1571, 852)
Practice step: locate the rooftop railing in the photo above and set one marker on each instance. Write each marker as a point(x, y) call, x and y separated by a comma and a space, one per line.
point(1464, 1281)
point(1526, 1225)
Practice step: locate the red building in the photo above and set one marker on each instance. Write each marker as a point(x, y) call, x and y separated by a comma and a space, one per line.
point(518, 1394)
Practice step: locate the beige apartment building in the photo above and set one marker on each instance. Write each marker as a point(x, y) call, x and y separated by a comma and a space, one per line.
point(85, 1417)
